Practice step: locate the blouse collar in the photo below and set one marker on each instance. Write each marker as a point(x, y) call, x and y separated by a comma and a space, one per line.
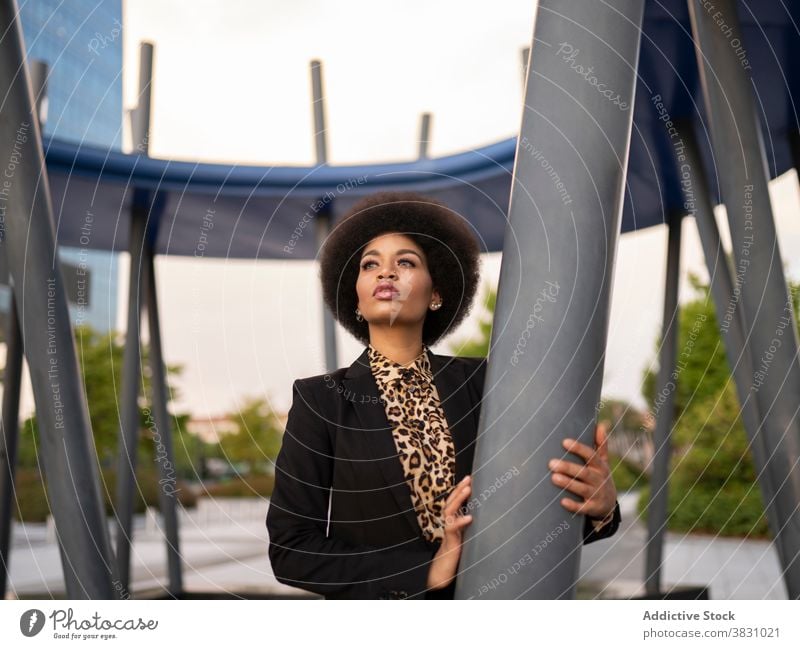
point(385, 369)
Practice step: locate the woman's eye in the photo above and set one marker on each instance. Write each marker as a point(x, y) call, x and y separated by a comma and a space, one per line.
point(366, 264)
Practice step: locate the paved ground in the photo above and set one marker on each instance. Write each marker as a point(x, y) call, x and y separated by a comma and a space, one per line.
point(730, 568)
point(224, 546)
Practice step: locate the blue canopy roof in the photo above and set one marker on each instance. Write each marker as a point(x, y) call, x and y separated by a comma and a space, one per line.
point(215, 210)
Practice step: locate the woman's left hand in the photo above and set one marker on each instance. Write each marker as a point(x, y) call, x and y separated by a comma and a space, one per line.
point(591, 481)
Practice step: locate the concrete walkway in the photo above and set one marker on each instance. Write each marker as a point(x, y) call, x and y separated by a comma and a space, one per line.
point(224, 545)
point(730, 568)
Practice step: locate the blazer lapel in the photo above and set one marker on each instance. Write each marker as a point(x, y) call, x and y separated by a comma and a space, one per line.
point(361, 391)
point(451, 384)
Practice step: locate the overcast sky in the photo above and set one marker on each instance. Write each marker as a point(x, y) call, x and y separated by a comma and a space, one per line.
point(232, 84)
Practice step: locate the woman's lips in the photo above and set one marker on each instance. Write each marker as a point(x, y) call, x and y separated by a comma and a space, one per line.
point(386, 294)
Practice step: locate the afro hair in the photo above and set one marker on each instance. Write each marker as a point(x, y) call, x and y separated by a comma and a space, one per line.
point(450, 247)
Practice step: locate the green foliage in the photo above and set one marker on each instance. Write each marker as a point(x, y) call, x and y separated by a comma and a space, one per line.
point(258, 439)
point(621, 416)
point(478, 346)
point(100, 357)
point(32, 505)
point(250, 486)
point(626, 475)
point(29, 502)
point(713, 486)
point(701, 368)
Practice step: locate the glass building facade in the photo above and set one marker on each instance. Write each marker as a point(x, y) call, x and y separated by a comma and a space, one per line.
point(81, 42)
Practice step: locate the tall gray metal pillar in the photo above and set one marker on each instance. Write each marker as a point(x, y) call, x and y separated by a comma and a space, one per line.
point(764, 301)
point(730, 322)
point(12, 373)
point(424, 135)
point(165, 455)
point(67, 448)
point(325, 215)
point(526, 55)
point(545, 367)
point(131, 361)
point(659, 479)
point(9, 436)
point(129, 411)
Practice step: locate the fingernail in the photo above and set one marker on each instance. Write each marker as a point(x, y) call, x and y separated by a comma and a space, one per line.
point(551, 464)
point(568, 441)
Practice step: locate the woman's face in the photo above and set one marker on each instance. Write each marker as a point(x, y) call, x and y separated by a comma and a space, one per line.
point(396, 263)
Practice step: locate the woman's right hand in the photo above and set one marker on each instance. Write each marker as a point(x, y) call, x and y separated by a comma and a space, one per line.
point(445, 562)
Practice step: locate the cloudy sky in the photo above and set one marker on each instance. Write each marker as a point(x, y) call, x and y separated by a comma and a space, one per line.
point(232, 84)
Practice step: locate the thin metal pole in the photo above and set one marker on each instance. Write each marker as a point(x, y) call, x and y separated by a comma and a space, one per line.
point(764, 301)
point(526, 55)
point(545, 365)
point(129, 415)
point(12, 373)
point(698, 199)
point(141, 115)
point(424, 135)
point(659, 480)
point(323, 218)
point(165, 455)
point(131, 361)
point(67, 448)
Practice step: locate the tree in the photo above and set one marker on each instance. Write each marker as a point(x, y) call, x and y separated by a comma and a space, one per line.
point(258, 439)
point(478, 345)
point(100, 358)
point(713, 485)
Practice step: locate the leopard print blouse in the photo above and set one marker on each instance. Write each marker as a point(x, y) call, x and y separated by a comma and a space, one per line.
point(421, 435)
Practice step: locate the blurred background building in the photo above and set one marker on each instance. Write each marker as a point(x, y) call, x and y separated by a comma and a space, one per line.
point(81, 43)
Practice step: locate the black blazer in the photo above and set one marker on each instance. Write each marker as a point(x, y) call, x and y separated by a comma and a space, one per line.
point(338, 450)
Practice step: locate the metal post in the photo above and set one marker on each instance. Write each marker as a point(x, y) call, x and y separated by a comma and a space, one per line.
point(657, 507)
point(545, 366)
point(729, 321)
point(323, 225)
point(131, 361)
point(12, 373)
point(424, 135)
point(526, 55)
point(764, 301)
point(67, 448)
point(140, 122)
point(129, 411)
point(165, 456)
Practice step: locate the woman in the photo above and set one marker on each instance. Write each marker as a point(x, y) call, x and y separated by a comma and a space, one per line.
point(387, 443)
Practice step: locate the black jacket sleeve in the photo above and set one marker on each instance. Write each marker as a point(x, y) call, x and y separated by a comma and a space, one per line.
point(300, 551)
point(609, 529)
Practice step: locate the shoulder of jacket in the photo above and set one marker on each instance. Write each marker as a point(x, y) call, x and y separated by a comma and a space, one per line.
point(319, 381)
point(470, 362)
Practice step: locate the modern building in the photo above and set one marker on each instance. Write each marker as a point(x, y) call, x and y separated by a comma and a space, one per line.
point(81, 42)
